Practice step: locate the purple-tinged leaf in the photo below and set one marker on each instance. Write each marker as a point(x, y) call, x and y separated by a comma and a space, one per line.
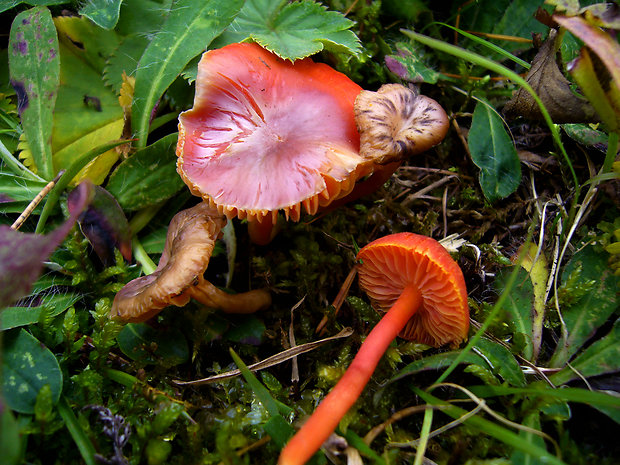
point(104, 224)
point(22, 254)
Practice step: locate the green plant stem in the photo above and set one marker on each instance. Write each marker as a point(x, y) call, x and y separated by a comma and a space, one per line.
point(426, 429)
point(141, 219)
point(86, 448)
point(612, 150)
point(69, 174)
point(499, 69)
point(148, 265)
point(16, 166)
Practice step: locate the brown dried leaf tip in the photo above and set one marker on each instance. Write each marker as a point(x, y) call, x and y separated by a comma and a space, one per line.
point(396, 122)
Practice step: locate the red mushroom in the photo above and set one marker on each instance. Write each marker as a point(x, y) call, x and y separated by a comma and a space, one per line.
point(422, 286)
point(266, 134)
point(179, 275)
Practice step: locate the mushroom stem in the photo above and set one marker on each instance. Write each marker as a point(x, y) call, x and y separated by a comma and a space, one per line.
point(262, 232)
point(244, 302)
point(341, 398)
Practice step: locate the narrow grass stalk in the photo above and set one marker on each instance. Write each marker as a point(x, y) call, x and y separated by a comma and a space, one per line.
point(424, 435)
point(491, 46)
point(86, 448)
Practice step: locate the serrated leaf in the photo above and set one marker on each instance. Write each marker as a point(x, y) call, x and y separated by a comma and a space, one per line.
point(592, 310)
point(148, 177)
point(104, 13)
point(124, 60)
point(35, 69)
point(602, 357)
point(494, 153)
point(292, 30)
point(189, 29)
point(27, 366)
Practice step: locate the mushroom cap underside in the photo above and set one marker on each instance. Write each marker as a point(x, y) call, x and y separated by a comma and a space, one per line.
point(266, 134)
point(189, 244)
point(398, 260)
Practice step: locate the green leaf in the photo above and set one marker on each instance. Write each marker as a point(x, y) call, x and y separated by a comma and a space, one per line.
point(189, 29)
point(14, 317)
point(407, 63)
point(602, 357)
point(16, 192)
point(9, 439)
point(521, 457)
point(502, 362)
point(147, 177)
point(248, 330)
point(27, 366)
point(35, 72)
point(141, 342)
point(494, 153)
point(104, 13)
point(292, 30)
point(591, 310)
point(607, 403)
point(518, 306)
point(124, 60)
point(80, 127)
point(437, 362)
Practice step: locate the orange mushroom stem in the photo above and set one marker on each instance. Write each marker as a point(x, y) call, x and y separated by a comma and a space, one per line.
point(425, 291)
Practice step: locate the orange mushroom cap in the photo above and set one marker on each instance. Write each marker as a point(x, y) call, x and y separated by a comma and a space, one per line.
point(266, 134)
point(391, 263)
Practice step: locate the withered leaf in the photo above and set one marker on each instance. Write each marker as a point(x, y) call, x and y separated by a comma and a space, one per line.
point(546, 78)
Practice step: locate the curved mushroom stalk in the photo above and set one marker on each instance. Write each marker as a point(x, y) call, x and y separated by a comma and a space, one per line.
point(424, 289)
point(244, 302)
point(179, 275)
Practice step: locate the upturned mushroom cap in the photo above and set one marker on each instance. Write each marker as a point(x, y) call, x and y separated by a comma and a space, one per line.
point(266, 134)
point(391, 263)
point(396, 122)
point(189, 244)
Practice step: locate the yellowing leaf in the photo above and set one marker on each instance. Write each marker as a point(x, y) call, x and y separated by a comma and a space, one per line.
point(25, 155)
point(87, 115)
point(126, 97)
point(98, 169)
point(536, 266)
